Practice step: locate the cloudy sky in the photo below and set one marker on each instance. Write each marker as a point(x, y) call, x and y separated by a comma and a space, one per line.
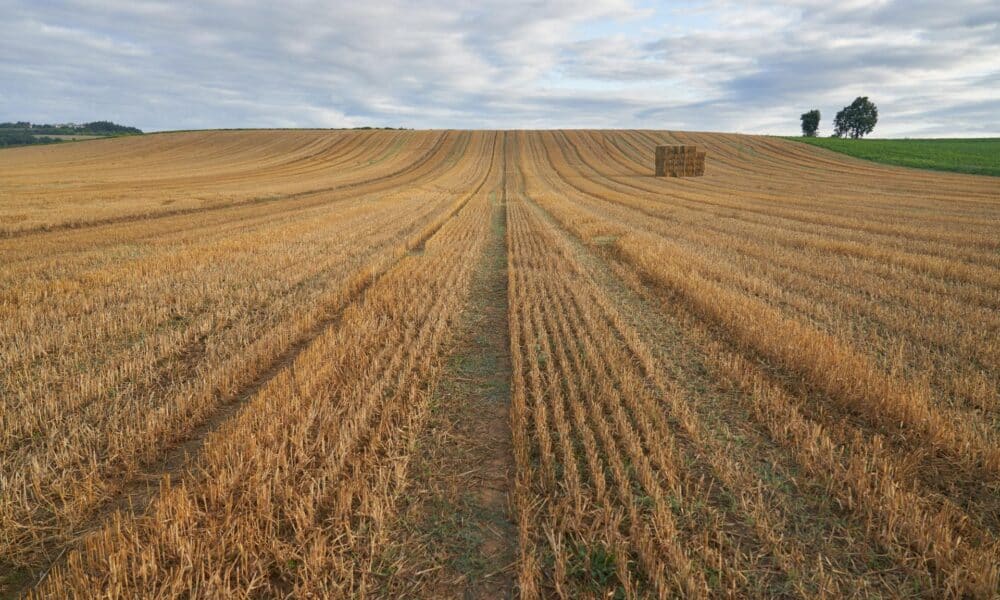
point(932, 66)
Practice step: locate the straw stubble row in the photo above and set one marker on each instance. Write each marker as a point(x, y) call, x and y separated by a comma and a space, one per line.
point(779, 380)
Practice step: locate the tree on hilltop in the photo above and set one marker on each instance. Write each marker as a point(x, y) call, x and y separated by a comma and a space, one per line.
point(857, 119)
point(810, 123)
point(108, 128)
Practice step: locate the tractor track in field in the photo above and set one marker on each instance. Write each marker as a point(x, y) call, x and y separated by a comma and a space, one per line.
point(456, 522)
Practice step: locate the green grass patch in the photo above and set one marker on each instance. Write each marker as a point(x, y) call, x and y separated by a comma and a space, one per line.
point(978, 156)
point(594, 568)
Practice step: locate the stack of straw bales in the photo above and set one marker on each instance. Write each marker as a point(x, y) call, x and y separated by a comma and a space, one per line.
point(679, 161)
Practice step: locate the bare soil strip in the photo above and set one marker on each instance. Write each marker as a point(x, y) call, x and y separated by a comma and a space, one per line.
point(456, 534)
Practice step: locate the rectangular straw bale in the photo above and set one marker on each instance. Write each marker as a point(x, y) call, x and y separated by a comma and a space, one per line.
point(678, 161)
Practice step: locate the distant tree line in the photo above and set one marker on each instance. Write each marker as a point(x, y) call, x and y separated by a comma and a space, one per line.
point(856, 120)
point(18, 138)
point(25, 133)
point(109, 128)
point(92, 128)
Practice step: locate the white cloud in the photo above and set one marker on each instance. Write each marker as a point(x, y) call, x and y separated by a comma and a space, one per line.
point(712, 65)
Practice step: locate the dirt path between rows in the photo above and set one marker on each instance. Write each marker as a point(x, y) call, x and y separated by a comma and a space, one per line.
point(456, 537)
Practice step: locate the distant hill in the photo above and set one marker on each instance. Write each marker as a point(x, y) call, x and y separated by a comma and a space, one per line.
point(24, 133)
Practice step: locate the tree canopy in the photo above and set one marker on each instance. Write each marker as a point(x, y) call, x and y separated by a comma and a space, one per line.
point(857, 119)
point(810, 123)
point(107, 127)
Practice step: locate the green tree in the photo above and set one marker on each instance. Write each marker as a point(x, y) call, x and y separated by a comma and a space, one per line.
point(810, 123)
point(857, 119)
point(108, 128)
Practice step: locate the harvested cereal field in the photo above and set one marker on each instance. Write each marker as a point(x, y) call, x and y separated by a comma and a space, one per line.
point(494, 364)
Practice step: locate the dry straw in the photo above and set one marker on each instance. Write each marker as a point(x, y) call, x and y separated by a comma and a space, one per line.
point(679, 161)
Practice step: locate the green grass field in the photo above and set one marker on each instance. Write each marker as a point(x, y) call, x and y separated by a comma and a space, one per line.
point(979, 156)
